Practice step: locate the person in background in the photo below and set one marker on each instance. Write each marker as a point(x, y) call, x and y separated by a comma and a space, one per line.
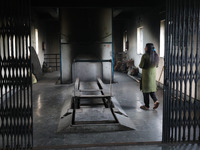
point(148, 64)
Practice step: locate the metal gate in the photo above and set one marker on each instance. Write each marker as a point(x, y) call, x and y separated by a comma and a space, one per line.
point(181, 117)
point(15, 75)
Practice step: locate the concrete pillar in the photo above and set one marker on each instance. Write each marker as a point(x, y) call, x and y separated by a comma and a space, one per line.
point(66, 63)
point(85, 32)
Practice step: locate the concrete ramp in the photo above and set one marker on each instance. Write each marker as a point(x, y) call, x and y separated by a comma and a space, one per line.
point(84, 112)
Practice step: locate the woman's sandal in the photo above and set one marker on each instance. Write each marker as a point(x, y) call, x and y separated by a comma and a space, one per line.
point(144, 107)
point(156, 104)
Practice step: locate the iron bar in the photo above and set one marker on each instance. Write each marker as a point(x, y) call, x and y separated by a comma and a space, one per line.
point(198, 72)
point(15, 83)
point(10, 38)
point(164, 135)
point(196, 110)
point(186, 69)
point(195, 80)
point(170, 67)
point(172, 82)
point(168, 58)
point(177, 72)
point(52, 59)
point(175, 100)
point(30, 99)
point(170, 22)
point(181, 81)
point(182, 57)
point(191, 71)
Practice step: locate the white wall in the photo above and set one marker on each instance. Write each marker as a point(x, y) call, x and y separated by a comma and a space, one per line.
point(150, 20)
point(40, 25)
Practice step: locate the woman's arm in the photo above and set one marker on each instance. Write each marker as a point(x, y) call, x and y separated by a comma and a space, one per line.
point(141, 65)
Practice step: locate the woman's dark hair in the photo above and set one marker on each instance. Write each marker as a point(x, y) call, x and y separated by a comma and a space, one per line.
point(154, 58)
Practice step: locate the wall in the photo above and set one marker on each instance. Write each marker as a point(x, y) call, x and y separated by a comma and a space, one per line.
point(117, 38)
point(52, 37)
point(86, 33)
point(150, 20)
point(36, 23)
point(48, 34)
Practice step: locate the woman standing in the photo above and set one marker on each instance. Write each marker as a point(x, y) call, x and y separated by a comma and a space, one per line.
point(148, 63)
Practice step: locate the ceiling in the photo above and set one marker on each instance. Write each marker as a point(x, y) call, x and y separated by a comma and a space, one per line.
point(96, 3)
point(49, 10)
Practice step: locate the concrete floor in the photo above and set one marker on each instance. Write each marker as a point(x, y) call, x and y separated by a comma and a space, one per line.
point(188, 146)
point(49, 97)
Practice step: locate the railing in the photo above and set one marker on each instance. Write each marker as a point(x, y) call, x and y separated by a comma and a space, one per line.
point(53, 60)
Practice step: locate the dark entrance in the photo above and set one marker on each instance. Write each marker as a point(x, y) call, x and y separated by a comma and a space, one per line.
point(15, 75)
point(181, 114)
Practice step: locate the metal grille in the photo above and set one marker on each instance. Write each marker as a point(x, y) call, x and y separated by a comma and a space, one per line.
point(181, 117)
point(15, 75)
point(52, 60)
